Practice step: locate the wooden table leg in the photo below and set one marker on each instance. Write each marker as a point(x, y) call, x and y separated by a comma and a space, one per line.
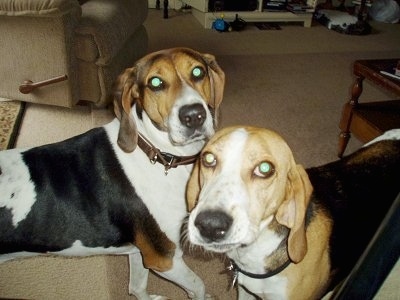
point(347, 114)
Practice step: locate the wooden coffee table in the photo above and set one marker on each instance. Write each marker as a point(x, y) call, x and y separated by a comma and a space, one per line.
point(368, 120)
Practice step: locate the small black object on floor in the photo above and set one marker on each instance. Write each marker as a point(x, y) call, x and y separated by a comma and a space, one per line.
point(267, 26)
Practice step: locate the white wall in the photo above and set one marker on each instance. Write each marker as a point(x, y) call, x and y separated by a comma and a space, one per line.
point(175, 4)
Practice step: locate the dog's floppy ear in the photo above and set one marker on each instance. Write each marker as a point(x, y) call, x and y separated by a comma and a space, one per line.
point(125, 92)
point(193, 187)
point(217, 78)
point(292, 211)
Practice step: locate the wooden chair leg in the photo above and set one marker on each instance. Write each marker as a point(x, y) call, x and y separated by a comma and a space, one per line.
point(347, 115)
point(344, 138)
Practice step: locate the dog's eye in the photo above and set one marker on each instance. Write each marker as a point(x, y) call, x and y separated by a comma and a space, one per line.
point(198, 73)
point(264, 169)
point(156, 84)
point(209, 159)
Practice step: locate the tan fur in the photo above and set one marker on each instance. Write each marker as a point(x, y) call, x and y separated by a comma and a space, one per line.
point(173, 66)
point(309, 278)
point(292, 211)
point(285, 195)
point(153, 258)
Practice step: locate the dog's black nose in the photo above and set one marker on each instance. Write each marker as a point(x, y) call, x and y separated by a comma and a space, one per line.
point(213, 225)
point(193, 115)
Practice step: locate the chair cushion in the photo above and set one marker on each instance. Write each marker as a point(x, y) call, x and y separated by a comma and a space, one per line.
point(49, 8)
point(105, 26)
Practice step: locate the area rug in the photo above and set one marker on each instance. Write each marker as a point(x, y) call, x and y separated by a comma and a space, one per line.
point(11, 113)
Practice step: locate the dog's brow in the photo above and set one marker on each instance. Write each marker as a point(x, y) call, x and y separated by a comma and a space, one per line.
point(236, 144)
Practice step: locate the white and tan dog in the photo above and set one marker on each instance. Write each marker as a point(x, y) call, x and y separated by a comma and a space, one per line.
point(119, 188)
point(290, 233)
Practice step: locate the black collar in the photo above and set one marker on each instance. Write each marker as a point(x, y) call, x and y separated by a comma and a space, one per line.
point(235, 269)
point(168, 160)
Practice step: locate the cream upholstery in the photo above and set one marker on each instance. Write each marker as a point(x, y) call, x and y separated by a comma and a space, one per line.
point(91, 43)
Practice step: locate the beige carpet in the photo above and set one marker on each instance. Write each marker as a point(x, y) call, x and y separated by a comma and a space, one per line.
point(293, 80)
point(11, 113)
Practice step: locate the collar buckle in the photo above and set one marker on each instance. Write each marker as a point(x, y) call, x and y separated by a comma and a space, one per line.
point(153, 160)
point(168, 160)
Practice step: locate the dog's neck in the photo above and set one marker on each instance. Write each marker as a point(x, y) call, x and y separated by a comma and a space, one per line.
point(266, 256)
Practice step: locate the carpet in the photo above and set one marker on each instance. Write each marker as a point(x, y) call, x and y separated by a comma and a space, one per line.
point(11, 114)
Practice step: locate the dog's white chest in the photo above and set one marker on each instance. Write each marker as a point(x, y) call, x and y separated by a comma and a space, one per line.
point(164, 195)
point(269, 288)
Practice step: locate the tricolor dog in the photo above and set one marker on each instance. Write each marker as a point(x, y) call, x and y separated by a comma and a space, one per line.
point(290, 233)
point(119, 188)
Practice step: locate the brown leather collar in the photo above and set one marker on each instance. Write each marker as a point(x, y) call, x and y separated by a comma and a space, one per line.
point(168, 160)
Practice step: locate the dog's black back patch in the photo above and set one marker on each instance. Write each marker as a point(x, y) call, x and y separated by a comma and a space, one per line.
point(82, 194)
point(357, 191)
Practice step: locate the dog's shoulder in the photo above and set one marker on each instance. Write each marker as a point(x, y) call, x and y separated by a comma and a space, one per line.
point(374, 168)
point(356, 192)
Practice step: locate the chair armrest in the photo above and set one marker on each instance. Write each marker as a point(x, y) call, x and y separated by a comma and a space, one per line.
point(52, 8)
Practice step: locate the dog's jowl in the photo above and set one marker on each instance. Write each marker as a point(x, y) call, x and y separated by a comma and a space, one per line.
point(119, 188)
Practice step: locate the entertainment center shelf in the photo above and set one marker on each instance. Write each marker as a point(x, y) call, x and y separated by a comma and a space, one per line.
point(206, 18)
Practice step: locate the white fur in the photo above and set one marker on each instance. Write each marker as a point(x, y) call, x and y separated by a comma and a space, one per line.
point(176, 130)
point(77, 249)
point(227, 192)
point(17, 190)
point(251, 259)
point(164, 195)
point(393, 134)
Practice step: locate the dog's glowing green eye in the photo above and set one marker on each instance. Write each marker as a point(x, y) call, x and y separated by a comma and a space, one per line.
point(209, 159)
point(198, 73)
point(156, 82)
point(264, 169)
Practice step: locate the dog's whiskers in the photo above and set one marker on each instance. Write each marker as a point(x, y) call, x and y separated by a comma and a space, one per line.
point(192, 249)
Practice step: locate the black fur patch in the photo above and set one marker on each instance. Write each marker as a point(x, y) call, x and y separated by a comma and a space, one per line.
point(82, 194)
point(357, 192)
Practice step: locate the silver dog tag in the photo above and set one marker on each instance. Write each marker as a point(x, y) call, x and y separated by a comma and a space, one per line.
point(234, 279)
point(234, 273)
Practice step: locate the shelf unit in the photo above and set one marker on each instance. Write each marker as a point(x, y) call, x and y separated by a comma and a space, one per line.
point(206, 18)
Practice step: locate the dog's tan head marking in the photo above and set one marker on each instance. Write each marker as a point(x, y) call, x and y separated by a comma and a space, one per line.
point(157, 81)
point(249, 174)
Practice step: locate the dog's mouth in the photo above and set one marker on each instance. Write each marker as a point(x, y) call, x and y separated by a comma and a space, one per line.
point(221, 248)
point(188, 137)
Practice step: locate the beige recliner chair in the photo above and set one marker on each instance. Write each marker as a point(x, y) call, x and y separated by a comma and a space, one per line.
point(59, 52)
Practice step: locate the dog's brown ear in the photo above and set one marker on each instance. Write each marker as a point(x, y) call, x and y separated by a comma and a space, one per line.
point(217, 78)
point(292, 211)
point(193, 187)
point(125, 93)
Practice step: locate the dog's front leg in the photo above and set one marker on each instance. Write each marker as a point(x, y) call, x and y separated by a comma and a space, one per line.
point(138, 276)
point(186, 278)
